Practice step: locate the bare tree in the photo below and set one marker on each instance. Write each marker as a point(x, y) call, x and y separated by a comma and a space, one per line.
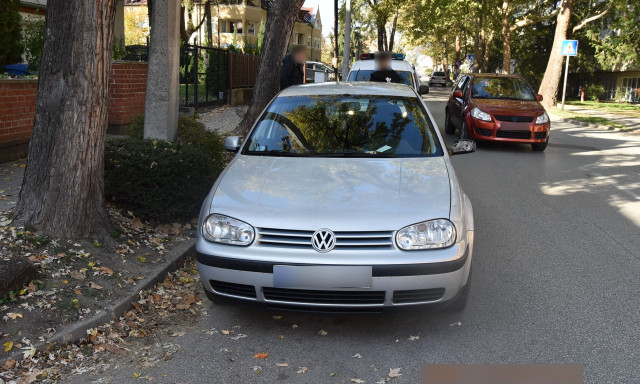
point(281, 18)
point(62, 190)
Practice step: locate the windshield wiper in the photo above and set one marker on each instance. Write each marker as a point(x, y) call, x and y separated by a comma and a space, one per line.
point(352, 154)
point(277, 152)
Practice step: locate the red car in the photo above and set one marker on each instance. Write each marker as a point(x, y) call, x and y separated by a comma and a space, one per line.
point(497, 107)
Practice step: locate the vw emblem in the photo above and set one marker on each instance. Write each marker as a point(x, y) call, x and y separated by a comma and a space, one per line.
point(323, 240)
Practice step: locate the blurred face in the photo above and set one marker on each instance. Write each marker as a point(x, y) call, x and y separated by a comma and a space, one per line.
point(300, 57)
point(384, 63)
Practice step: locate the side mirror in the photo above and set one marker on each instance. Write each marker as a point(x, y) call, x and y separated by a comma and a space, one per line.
point(457, 94)
point(232, 143)
point(462, 146)
point(423, 90)
point(539, 97)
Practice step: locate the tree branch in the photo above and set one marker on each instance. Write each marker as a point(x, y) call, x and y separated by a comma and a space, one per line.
point(526, 22)
point(594, 17)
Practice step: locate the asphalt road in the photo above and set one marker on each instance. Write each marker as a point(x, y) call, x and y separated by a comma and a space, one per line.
point(555, 280)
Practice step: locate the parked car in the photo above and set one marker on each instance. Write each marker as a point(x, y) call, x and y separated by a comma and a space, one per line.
point(313, 67)
point(439, 78)
point(342, 198)
point(499, 108)
point(366, 65)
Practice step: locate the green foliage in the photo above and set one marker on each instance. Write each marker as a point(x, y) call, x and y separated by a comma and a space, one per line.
point(161, 180)
point(595, 91)
point(10, 32)
point(118, 48)
point(33, 40)
point(260, 38)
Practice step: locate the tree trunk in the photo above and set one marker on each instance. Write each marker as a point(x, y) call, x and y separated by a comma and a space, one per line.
point(381, 33)
point(551, 79)
point(506, 38)
point(458, 48)
point(487, 52)
point(280, 21)
point(62, 190)
point(392, 35)
point(209, 26)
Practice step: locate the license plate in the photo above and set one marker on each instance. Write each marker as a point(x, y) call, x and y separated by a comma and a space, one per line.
point(290, 276)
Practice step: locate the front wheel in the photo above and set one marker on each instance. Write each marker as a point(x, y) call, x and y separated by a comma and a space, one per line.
point(448, 127)
point(540, 146)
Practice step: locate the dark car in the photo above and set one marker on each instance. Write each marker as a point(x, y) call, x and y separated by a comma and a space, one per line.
point(499, 108)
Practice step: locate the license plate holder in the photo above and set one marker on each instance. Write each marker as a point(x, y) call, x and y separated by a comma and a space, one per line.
point(322, 276)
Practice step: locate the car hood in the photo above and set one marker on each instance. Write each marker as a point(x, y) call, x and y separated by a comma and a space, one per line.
point(342, 194)
point(510, 107)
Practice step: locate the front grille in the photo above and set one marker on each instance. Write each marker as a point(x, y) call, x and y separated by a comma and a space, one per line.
point(283, 238)
point(323, 297)
point(233, 289)
point(514, 119)
point(540, 135)
point(418, 295)
point(483, 132)
point(513, 134)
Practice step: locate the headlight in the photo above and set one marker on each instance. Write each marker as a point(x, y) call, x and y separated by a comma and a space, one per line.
point(480, 115)
point(227, 230)
point(431, 234)
point(542, 119)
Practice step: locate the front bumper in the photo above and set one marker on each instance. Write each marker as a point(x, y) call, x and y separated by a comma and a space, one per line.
point(495, 131)
point(392, 285)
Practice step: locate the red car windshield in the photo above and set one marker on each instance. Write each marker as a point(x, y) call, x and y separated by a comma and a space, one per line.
point(507, 88)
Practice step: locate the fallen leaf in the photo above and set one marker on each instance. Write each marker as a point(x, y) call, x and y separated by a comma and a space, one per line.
point(356, 380)
point(30, 377)
point(294, 326)
point(106, 271)
point(257, 369)
point(32, 287)
point(238, 336)
point(457, 324)
point(282, 364)
point(13, 315)
point(303, 369)
point(395, 372)
point(414, 338)
point(77, 291)
point(357, 356)
point(8, 346)
point(29, 352)
point(9, 364)
point(225, 332)
point(136, 375)
point(261, 356)
point(94, 285)
point(186, 303)
point(322, 332)
point(277, 317)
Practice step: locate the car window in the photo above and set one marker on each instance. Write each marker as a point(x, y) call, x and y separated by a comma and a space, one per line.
point(365, 75)
point(440, 74)
point(461, 83)
point(465, 87)
point(508, 88)
point(344, 125)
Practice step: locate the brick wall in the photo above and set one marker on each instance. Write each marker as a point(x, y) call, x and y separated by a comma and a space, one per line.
point(17, 107)
point(18, 103)
point(127, 93)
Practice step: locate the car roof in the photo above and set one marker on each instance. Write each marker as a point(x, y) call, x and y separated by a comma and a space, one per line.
point(494, 75)
point(349, 88)
point(369, 65)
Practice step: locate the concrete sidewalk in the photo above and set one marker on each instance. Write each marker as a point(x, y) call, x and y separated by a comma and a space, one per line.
point(632, 123)
point(10, 182)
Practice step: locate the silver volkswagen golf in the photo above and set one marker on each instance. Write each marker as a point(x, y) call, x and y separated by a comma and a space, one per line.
point(342, 198)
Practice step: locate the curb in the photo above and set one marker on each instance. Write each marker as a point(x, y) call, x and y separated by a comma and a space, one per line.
point(78, 330)
point(589, 125)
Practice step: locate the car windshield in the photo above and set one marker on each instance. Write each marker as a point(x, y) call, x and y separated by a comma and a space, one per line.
point(509, 88)
point(344, 125)
point(365, 75)
point(438, 73)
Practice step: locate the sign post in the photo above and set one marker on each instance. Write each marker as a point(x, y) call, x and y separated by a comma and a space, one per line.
point(569, 48)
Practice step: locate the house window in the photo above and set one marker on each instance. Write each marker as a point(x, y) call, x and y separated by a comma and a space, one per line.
point(309, 42)
point(223, 25)
point(299, 38)
point(236, 26)
point(251, 28)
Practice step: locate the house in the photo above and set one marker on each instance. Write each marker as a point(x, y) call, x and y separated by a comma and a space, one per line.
point(32, 10)
point(238, 22)
point(622, 86)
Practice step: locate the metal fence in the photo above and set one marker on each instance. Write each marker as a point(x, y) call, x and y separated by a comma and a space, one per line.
point(209, 75)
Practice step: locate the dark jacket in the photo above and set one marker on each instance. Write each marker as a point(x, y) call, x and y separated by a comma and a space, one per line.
point(381, 76)
point(291, 73)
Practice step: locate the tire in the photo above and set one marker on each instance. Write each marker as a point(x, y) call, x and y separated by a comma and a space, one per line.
point(539, 147)
point(448, 127)
point(459, 303)
point(464, 132)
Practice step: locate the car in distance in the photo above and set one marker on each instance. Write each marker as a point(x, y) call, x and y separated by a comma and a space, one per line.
point(438, 78)
point(366, 65)
point(313, 67)
point(342, 198)
point(498, 108)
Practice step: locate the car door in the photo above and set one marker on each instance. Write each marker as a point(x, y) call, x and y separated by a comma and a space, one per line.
point(456, 104)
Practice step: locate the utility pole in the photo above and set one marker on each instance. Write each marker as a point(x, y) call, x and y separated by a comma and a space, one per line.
point(335, 38)
point(347, 40)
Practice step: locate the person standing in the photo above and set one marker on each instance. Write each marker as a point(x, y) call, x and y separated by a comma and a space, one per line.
point(292, 72)
point(384, 73)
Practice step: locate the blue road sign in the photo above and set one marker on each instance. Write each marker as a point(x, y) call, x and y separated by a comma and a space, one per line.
point(569, 47)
